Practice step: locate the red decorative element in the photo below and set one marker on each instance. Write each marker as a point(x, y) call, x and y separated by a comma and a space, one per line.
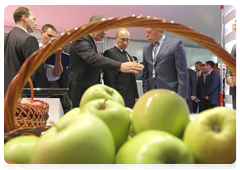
point(222, 6)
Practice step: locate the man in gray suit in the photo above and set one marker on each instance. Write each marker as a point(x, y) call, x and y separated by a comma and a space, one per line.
point(165, 64)
point(231, 79)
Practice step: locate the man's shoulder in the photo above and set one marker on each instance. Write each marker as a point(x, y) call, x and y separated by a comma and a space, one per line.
point(172, 39)
point(113, 49)
point(147, 46)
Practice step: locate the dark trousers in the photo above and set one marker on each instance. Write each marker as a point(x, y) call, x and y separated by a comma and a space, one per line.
point(234, 101)
point(190, 105)
point(76, 94)
point(194, 106)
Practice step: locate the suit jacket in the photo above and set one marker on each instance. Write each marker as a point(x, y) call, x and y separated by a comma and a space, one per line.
point(124, 83)
point(234, 89)
point(192, 84)
point(192, 88)
point(200, 90)
point(170, 67)
point(18, 46)
point(212, 89)
point(84, 66)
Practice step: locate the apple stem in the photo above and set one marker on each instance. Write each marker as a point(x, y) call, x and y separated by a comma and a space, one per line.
point(216, 128)
point(111, 92)
point(170, 164)
point(103, 105)
point(54, 124)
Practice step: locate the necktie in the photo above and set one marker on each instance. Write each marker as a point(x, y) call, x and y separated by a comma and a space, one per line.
point(125, 55)
point(155, 50)
point(197, 76)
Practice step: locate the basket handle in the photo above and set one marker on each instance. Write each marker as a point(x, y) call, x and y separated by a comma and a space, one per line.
point(38, 57)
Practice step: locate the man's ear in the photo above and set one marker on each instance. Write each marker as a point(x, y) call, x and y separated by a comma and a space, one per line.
point(24, 18)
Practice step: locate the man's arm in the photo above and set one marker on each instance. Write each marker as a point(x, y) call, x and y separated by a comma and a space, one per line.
point(39, 77)
point(194, 85)
point(109, 76)
point(182, 70)
point(86, 51)
point(214, 81)
point(145, 75)
point(58, 69)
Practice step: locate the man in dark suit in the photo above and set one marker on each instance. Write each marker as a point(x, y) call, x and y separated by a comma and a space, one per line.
point(198, 72)
point(165, 64)
point(85, 63)
point(212, 86)
point(192, 89)
point(231, 80)
point(124, 83)
point(54, 72)
point(19, 45)
point(200, 89)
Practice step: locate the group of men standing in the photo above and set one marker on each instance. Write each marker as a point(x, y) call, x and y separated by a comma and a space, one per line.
point(164, 64)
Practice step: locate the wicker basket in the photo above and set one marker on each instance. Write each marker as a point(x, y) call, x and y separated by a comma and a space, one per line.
point(37, 58)
point(29, 116)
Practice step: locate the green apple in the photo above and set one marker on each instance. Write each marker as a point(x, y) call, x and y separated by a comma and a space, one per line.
point(154, 147)
point(86, 139)
point(20, 148)
point(114, 115)
point(161, 109)
point(70, 114)
point(100, 91)
point(131, 130)
point(211, 137)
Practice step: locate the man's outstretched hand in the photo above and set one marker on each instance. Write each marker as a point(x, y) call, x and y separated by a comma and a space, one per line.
point(131, 67)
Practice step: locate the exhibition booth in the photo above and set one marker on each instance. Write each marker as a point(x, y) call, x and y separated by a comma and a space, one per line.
point(216, 22)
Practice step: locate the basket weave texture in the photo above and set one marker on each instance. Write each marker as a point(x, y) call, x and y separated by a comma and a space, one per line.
point(31, 116)
point(37, 58)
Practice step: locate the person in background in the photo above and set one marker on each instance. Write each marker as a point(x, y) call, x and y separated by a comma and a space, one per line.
point(200, 89)
point(192, 89)
point(231, 80)
point(57, 76)
point(48, 33)
point(124, 83)
point(134, 59)
point(212, 86)
point(165, 64)
point(198, 65)
point(19, 45)
point(85, 63)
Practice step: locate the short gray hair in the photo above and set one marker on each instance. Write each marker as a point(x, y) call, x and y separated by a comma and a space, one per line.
point(96, 17)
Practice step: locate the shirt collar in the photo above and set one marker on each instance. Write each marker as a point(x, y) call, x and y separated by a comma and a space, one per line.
point(161, 39)
point(119, 48)
point(209, 72)
point(92, 38)
point(40, 44)
point(22, 28)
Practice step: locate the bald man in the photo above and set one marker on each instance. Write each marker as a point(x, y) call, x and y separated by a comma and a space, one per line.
point(124, 83)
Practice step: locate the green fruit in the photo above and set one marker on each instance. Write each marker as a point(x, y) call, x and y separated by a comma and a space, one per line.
point(86, 139)
point(114, 115)
point(100, 91)
point(211, 137)
point(20, 148)
point(154, 147)
point(161, 109)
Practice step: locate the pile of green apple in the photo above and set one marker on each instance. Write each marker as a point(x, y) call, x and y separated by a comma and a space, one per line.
point(157, 130)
